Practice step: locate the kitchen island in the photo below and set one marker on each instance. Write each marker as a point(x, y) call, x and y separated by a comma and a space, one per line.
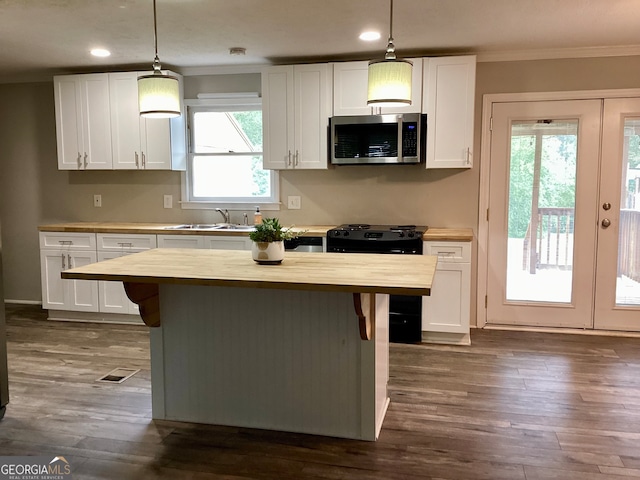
point(299, 347)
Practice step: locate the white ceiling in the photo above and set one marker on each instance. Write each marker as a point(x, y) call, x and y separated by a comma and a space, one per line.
point(39, 38)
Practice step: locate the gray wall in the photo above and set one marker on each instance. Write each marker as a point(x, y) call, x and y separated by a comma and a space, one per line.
point(34, 192)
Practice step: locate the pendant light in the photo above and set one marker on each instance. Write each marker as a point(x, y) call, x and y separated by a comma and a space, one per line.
point(390, 79)
point(158, 93)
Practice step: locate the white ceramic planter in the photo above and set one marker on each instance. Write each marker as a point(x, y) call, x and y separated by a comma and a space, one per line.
point(268, 252)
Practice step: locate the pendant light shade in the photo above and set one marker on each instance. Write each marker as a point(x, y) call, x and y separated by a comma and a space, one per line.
point(158, 96)
point(390, 79)
point(158, 93)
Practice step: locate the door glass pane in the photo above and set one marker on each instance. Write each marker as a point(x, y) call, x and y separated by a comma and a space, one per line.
point(628, 280)
point(541, 211)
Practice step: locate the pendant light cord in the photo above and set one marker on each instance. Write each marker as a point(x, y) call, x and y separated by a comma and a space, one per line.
point(391, 48)
point(156, 62)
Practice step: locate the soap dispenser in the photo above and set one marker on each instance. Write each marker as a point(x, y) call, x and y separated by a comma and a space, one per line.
point(257, 217)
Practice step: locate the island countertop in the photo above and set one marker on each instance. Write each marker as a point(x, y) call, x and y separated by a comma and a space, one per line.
point(357, 273)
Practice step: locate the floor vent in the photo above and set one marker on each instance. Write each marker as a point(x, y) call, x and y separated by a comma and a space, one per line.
point(118, 375)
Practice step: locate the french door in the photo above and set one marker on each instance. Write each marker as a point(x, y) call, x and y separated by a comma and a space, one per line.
point(564, 226)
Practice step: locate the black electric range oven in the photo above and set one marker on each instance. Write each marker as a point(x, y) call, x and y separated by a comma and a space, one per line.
point(405, 312)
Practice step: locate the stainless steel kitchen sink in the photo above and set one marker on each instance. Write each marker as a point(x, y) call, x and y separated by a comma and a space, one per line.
point(212, 226)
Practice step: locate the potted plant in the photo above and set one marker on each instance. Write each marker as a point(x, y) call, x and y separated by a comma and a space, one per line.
point(268, 241)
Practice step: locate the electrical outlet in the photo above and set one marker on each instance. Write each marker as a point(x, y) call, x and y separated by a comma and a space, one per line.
point(97, 200)
point(168, 201)
point(293, 202)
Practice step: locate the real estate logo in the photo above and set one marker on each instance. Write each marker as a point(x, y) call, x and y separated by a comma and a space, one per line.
point(34, 468)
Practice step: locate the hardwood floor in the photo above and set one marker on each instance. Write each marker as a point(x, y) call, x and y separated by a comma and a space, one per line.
point(513, 405)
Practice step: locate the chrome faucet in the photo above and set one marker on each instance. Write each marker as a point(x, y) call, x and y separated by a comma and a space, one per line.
point(225, 214)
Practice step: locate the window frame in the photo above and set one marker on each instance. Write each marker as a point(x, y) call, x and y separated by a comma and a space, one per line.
point(232, 104)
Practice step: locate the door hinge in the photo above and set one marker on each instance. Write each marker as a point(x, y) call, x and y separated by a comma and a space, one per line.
point(487, 214)
point(486, 301)
point(491, 124)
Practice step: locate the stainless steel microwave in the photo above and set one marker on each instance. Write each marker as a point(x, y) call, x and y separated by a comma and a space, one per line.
point(378, 139)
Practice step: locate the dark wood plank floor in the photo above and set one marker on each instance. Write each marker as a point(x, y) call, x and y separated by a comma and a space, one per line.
point(511, 406)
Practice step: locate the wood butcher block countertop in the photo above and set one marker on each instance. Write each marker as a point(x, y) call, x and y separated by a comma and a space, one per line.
point(432, 234)
point(356, 273)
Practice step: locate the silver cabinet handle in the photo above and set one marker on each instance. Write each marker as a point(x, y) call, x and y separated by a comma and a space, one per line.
point(86, 163)
point(468, 156)
point(297, 160)
point(125, 244)
point(137, 164)
point(144, 160)
point(289, 158)
point(63, 264)
point(70, 264)
point(79, 161)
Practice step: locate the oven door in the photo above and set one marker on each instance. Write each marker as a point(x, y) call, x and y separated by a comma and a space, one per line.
point(402, 247)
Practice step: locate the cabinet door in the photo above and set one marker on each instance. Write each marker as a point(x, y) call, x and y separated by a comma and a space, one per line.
point(312, 103)
point(125, 121)
point(68, 122)
point(52, 262)
point(60, 294)
point(277, 117)
point(447, 309)
point(448, 99)
point(96, 124)
point(111, 295)
point(82, 295)
point(351, 83)
point(156, 143)
point(83, 130)
point(227, 243)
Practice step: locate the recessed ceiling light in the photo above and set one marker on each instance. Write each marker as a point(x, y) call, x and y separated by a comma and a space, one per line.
point(100, 52)
point(369, 36)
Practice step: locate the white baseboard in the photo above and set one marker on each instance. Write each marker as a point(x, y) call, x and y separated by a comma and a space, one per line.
point(22, 302)
point(69, 316)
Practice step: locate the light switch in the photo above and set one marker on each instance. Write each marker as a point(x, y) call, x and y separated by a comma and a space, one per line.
point(293, 202)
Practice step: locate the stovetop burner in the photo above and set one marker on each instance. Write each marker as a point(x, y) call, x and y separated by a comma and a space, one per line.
point(354, 227)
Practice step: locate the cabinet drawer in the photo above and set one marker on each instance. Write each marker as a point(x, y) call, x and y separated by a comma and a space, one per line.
point(449, 251)
point(68, 241)
point(117, 242)
point(180, 241)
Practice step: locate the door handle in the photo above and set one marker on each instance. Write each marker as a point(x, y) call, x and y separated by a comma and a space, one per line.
point(605, 223)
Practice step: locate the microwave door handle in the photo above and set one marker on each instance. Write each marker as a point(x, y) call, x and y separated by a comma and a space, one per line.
point(400, 138)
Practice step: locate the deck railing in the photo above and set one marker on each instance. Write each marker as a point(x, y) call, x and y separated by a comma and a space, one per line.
point(552, 244)
point(629, 244)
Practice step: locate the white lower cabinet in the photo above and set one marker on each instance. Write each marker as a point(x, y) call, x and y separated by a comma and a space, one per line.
point(228, 243)
point(111, 295)
point(181, 241)
point(213, 242)
point(445, 314)
point(61, 251)
point(99, 301)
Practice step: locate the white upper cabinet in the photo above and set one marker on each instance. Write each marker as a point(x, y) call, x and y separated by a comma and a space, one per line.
point(296, 105)
point(139, 143)
point(350, 85)
point(448, 99)
point(83, 131)
point(98, 126)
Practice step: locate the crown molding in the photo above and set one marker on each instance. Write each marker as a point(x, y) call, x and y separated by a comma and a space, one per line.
point(558, 53)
